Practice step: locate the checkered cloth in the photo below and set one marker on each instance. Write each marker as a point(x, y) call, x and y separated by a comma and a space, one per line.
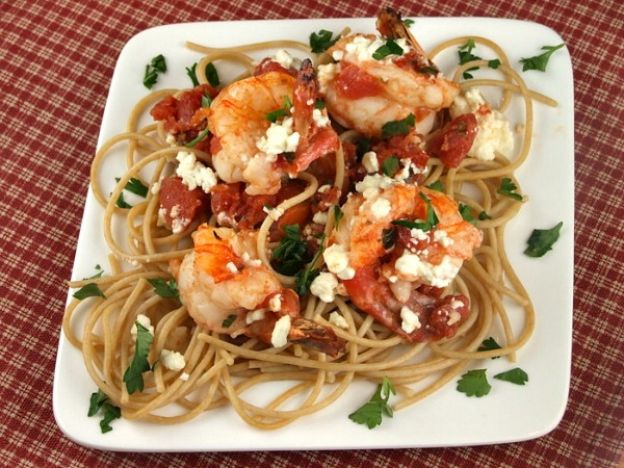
point(56, 63)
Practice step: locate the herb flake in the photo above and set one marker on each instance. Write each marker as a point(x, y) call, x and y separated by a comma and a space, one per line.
point(466, 213)
point(398, 127)
point(542, 240)
point(227, 323)
point(516, 376)
point(166, 289)
point(338, 214)
point(190, 72)
point(539, 62)
point(157, 65)
point(133, 377)
point(508, 189)
point(100, 403)
point(489, 344)
point(389, 48)
point(371, 413)
point(390, 165)
point(201, 136)
point(322, 40)
point(88, 290)
point(212, 75)
point(291, 254)
point(474, 383)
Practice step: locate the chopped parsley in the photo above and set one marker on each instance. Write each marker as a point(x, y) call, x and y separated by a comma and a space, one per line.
point(483, 216)
point(157, 65)
point(291, 255)
point(338, 214)
point(121, 202)
point(489, 344)
point(98, 274)
point(135, 186)
point(372, 411)
point(494, 64)
point(229, 321)
point(516, 376)
point(283, 111)
point(133, 377)
point(508, 189)
point(466, 213)
point(304, 278)
point(437, 185)
point(319, 104)
point(474, 383)
point(166, 289)
point(389, 48)
point(100, 403)
point(424, 225)
point(466, 55)
point(89, 290)
point(542, 240)
point(212, 75)
point(398, 127)
point(206, 101)
point(408, 22)
point(190, 71)
point(322, 40)
point(201, 136)
point(539, 62)
point(390, 165)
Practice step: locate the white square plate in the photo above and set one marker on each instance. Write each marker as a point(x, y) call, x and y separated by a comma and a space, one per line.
point(448, 418)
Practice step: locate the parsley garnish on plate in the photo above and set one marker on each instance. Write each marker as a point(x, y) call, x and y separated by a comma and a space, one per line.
point(371, 412)
point(157, 65)
point(398, 127)
point(437, 186)
point(389, 48)
point(474, 383)
point(508, 189)
point(135, 186)
point(100, 403)
point(465, 55)
point(539, 62)
point(489, 344)
point(166, 289)
point(390, 165)
point(322, 40)
point(88, 290)
point(516, 376)
point(542, 240)
point(121, 202)
point(190, 72)
point(408, 22)
point(98, 272)
point(133, 377)
point(212, 75)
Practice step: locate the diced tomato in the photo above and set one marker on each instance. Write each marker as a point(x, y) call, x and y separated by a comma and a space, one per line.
point(354, 83)
point(403, 147)
point(269, 65)
point(454, 140)
point(443, 313)
point(177, 113)
point(182, 206)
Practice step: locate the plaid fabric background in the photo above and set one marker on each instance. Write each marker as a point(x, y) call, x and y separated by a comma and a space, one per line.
point(56, 61)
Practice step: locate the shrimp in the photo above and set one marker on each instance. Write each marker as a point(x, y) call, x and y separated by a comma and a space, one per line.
point(249, 148)
point(364, 91)
point(227, 289)
point(399, 266)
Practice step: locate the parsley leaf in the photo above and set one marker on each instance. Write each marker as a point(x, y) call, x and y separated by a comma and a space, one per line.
point(319, 104)
point(206, 101)
point(135, 186)
point(304, 278)
point(159, 64)
point(88, 290)
point(398, 127)
point(156, 65)
point(389, 48)
point(388, 238)
point(190, 71)
point(371, 412)
point(466, 55)
point(99, 402)
point(338, 214)
point(283, 111)
point(229, 321)
point(437, 185)
point(495, 63)
point(133, 377)
point(121, 202)
point(201, 136)
point(167, 289)
point(474, 383)
point(539, 62)
point(390, 165)
point(515, 375)
point(508, 189)
point(489, 344)
point(212, 75)
point(483, 216)
point(466, 213)
point(424, 225)
point(321, 41)
point(408, 22)
point(291, 254)
point(542, 240)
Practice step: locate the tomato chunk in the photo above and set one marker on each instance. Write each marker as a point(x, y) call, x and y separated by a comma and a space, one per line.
point(177, 113)
point(454, 140)
point(181, 205)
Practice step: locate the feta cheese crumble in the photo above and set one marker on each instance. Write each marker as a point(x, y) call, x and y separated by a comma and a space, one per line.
point(409, 320)
point(371, 185)
point(442, 238)
point(338, 320)
point(337, 260)
point(380, 208)
point(279, 138)
point(324, 287)
point(320, 217)
point(370, 162)
point(494, 132)
point(325, 74)
point(172, 360)
point(193, 173)
point(254, 316)
point(454, 318)
point(320, 118)
point(284, 58)
point(411, 267)
point(145, 321)
point(279, 335)
point(231, 267)
point(275, 303)
point(184, 377)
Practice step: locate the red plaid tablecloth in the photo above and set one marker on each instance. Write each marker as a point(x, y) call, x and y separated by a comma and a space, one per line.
point(56, 61)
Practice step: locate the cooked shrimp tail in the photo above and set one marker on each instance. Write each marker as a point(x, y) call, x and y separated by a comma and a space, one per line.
point(311, 334)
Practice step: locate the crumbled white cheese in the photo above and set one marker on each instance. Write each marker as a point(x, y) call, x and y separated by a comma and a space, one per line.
point(275, 303)
point(279, 335)
point(370, 162)
point(380, 208)
point(320, 118)
point(231, 267)
point(254, 316)
point(362, 48)
point(402, 290)
point(279, 138)
point(283, 58)
point(338, 320)
point(457, 304)
point(172, 360)
point(155, 188)
point(179, 224)
point(370, 186)
point(309, 102)
point(412, 268)
point(193, 173)
point(336, 258)
point(494, 132)
point(324, 287)
point(320, 217)
point(442, 238)
point(184, 377)
point(454, 317)
point(162, 212)
point(346, 274)
point(274, 213)
point(326, 74)
point(337, 55)
point(170, 139)
point(419, 234)
point(145, 321)
point(409, 320)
